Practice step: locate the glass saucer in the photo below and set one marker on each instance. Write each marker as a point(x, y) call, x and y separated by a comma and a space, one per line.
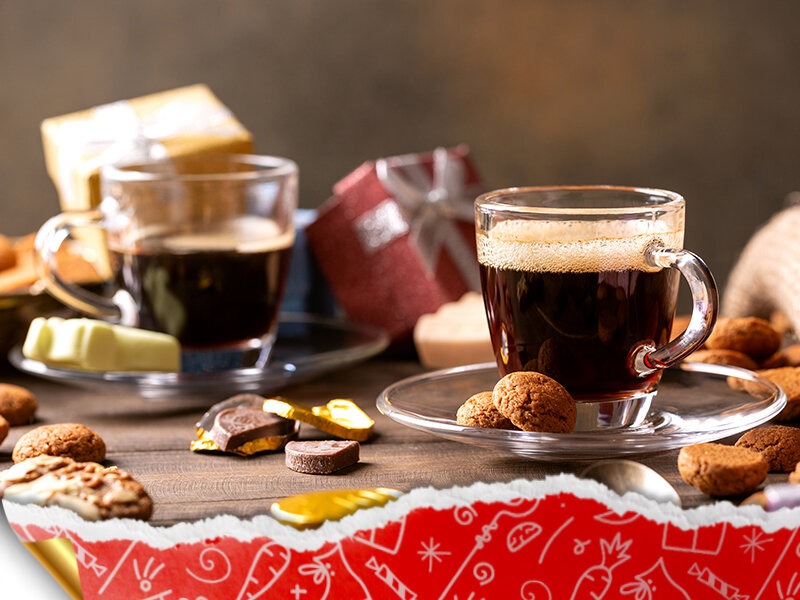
point(695, 403)
point(306, 346)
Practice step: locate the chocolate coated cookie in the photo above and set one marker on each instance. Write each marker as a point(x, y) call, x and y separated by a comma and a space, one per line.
point(535, 402)
point(17, 404)
point(752, 336)
point(71, 440)
point(92, 490)
point(723, 357)
point(778, 444)
point(479, 411)
point(719, 470)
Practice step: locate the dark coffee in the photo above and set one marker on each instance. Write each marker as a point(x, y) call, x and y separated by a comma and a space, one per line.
point(207, 290)
point(579, 328)
point(574, 309)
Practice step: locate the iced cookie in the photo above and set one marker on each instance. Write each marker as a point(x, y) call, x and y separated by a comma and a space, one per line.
point(719, 470)
point(535, 402)
point(92, 490)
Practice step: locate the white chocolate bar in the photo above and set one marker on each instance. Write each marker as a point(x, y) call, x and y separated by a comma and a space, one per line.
point(99, 346)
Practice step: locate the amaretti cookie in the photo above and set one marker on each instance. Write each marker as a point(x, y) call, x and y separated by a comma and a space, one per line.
point(72, 440)
point(719, 470)
point(535, 402)
point(479, 411)
point(778, 444)
point(721, 356)
point(17, 404)
point(749, 335)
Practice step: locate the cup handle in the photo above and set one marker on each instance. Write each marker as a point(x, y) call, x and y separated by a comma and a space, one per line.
point(48, 240)
point(646, 358)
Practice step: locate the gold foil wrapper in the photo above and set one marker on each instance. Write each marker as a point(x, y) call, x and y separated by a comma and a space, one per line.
point(339, 417)
point(57, 555)
point(312, 510)
point(204, 443)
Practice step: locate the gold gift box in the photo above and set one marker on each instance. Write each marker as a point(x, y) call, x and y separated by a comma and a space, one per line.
point(176, 123)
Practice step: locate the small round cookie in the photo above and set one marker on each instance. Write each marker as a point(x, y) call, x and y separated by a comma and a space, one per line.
point(794, 476)
point(788, 378)
point(17, 404)
point(71, 440)
point(3, 429)
point(535, 402)
point(731, 358)
point(778, 444)
point(8, 258)
point(752, 336)
point(480, 411)
point(719, 470)
point(787, 357)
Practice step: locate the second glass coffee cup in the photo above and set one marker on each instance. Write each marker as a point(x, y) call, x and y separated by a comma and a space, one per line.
point(581, 284)
point(199, 248)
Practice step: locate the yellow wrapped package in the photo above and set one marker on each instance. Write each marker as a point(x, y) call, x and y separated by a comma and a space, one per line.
point(180, 122)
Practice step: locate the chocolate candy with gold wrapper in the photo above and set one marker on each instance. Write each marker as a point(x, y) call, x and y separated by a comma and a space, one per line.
point(312, 510)
point(242, 436)
point(339, 417)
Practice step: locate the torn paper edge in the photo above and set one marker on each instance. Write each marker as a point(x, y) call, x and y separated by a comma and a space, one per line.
point(246, 530)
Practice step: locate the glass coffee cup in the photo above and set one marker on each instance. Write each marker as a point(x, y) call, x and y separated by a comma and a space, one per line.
point(581, 284)
point(199, 248)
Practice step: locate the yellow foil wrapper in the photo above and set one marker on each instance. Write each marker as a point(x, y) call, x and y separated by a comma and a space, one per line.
point(57, 555)
point(204, 443)
point(339, 417)
point(312, 510)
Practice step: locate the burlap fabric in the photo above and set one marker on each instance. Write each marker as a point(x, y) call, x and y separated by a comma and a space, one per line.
point(767, 276)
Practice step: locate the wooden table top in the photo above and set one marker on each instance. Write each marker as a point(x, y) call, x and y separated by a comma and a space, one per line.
point(150, 439)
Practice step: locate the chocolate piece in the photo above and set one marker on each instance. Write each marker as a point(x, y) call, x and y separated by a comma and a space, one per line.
point(321, 457)
point(207, 420)
point(236, 426)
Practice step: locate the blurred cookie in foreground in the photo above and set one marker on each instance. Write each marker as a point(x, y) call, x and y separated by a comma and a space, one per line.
point(535, 402)
point(71, 440)
point(731, 358)
point(749, 335)
point(719, 470)
point(479, 411)
point(89, 489)
point(778, 444)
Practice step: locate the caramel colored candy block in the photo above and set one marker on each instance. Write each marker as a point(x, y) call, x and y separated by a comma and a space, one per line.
point(457, 334)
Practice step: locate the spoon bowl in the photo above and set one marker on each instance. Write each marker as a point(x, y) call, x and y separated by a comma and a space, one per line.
point(629, 476)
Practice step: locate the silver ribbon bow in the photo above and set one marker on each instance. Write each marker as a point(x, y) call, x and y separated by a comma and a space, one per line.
point(426, 208)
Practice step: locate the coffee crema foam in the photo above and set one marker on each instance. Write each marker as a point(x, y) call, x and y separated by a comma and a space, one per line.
point(246, 234)
point(574, 246)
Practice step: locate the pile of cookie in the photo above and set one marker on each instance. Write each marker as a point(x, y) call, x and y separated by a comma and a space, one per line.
point(722, 470)
point(246, 424)
point(59, 465)
point(523, 400)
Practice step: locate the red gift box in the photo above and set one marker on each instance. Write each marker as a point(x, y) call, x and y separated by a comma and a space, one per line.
point(397, 239)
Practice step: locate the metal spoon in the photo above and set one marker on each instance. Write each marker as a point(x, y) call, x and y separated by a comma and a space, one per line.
point(629, 476)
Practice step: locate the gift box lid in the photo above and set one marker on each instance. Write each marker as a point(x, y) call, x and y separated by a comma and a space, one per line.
point(180, 122)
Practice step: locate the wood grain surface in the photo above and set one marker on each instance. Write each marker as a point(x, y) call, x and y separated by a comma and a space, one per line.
point(150, 439)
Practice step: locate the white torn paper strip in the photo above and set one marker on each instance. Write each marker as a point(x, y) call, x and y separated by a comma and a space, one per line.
point(264, 526)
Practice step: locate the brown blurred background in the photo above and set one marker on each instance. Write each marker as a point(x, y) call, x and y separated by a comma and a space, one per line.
point(699, 97)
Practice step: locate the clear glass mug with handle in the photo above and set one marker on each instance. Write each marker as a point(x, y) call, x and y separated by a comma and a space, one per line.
point(199, 249)
point(581, 284)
